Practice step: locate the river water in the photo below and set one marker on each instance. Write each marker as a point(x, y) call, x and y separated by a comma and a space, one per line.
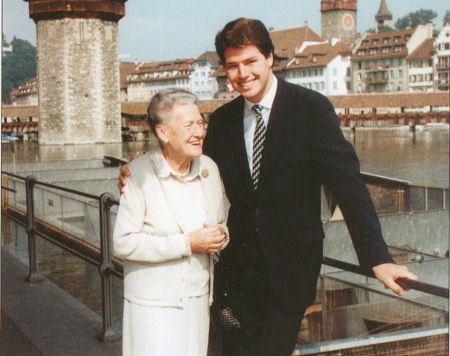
point(385, 151)
point(393, 152)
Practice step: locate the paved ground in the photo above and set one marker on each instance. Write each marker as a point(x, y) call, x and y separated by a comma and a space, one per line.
point(42, 319)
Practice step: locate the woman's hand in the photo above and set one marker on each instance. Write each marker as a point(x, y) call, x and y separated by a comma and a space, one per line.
point(207, 239)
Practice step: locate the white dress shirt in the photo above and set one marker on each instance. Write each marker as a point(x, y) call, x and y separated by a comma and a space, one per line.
point(250, 119)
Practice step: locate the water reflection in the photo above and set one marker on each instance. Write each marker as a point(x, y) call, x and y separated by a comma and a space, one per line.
point(391, 152)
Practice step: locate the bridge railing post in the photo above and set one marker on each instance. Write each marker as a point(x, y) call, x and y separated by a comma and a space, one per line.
point(108, 333)
point(33, 275)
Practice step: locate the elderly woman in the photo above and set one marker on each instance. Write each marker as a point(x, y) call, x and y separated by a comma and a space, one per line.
point(170, 222)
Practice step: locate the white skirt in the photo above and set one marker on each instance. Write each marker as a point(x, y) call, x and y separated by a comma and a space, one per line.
point(163, 331)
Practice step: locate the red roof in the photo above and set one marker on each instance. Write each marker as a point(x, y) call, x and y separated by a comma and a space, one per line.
point(383, 44)
point(287, 41)
point(425, 50)
point(319, 55)
point(126, 68)
point(147, 71)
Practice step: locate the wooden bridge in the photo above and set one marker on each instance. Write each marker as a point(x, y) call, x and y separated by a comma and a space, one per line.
point(375, 109)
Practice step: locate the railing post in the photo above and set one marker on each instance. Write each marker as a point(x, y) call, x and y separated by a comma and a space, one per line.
point(108, 333)
point(325, 334)
point(33, 275)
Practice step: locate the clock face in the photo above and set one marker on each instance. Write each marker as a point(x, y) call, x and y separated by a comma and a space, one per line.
point(348, 21)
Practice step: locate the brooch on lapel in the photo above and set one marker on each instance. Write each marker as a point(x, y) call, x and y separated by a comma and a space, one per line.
point(205, 173)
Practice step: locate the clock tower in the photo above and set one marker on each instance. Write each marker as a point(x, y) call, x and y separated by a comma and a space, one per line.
point(338, 18)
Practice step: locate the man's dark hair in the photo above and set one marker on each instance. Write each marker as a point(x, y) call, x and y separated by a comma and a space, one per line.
point(244, 32)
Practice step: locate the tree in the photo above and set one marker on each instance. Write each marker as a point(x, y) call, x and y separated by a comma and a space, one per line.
point(446, 18)
point(383, 28)
point(413, 19)
point(17, 67)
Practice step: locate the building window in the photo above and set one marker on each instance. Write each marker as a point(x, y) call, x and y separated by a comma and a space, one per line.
point(334, 72)
point(335, 85)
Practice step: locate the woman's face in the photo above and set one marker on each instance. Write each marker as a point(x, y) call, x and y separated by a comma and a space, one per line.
point(183, 134)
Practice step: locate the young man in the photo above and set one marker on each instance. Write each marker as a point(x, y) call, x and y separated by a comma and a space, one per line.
point(273, 159)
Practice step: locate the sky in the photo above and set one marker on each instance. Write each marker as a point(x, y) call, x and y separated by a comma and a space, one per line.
point(155, 30)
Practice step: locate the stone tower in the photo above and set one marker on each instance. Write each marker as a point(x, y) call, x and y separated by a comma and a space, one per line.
point(338, 18)
point(383, 16)
point(78, 70)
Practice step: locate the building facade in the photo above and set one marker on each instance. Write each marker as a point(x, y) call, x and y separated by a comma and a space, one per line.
point(420, 68)
point(442, 58)
point(151, 77)
point(26, 94)
point(324, 67)
point(380, 60)
point(203, 84)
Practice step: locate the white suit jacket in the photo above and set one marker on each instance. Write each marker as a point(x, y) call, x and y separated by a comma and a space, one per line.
point(148, 237)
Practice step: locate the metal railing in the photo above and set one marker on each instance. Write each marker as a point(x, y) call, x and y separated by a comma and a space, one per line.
point(108, 265)
point(104, 261)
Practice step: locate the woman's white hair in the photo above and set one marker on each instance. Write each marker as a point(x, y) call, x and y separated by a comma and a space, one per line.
point(162, 102)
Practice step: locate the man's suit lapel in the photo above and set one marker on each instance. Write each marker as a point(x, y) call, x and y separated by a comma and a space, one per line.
point(272, 143)
point(236, 136)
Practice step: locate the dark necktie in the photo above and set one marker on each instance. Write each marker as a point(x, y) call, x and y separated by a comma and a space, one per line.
point(258, 144)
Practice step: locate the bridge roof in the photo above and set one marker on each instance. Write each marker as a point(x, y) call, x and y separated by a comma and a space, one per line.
point(390, 100)
point(350, 101)
point(20, 111)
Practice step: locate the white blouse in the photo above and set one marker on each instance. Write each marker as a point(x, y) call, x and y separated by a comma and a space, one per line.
point(186, 198)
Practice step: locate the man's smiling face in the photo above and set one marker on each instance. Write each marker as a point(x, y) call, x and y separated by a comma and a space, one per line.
point(249, 71)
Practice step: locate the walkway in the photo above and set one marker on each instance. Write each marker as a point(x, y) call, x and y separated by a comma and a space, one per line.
point(42, 319)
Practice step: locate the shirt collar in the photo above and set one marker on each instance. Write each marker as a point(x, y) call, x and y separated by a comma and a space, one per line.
point(163, 169)
point(267, 101)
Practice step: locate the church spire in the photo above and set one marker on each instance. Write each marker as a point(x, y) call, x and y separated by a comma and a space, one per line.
point(384, 16)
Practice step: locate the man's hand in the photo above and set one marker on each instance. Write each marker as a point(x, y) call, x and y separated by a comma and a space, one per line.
point(207, 239)
point(124, 173)
point(388, 273)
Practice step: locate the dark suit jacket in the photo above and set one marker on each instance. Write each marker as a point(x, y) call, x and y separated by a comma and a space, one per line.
point(279, 225)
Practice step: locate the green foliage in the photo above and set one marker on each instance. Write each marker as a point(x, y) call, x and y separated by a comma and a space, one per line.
point(382, 29)
point(446, 19)
point(17, 67)
point(386, 29)
point(413, 19)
